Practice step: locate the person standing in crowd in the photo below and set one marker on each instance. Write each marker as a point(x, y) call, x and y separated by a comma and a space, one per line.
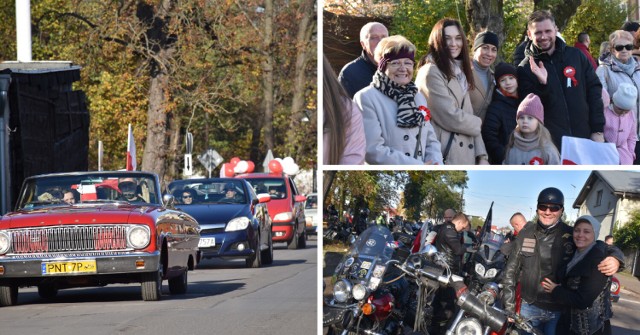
point(543, 250)
point(620, 127)
point(395, 114)
point(564, 80)
point(585, 290)
point(485, 50)
point(608, 239)
point(604, 52)
point(582, 44)
point(621, 67)
point(343, 130)
point(501, 113)
point(530, 142)
point(517, 221)
point(449, 244)
point(358, 74)
point(445, 78)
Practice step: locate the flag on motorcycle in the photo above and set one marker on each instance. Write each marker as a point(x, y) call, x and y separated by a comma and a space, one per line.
point(131, 152)
point(486, 227)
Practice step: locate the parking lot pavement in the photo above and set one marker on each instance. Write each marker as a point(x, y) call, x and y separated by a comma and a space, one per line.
point(629, 283)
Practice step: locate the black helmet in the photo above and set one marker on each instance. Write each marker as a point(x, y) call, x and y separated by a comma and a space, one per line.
point(551, 195)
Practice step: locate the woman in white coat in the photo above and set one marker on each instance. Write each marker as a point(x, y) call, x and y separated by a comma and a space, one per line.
point(395, 114)
point(445, 79)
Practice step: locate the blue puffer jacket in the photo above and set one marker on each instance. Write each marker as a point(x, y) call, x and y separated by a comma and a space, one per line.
point(498, 124)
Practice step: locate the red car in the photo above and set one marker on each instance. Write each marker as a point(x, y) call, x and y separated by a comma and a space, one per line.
point(92, 229)
point(286, 207)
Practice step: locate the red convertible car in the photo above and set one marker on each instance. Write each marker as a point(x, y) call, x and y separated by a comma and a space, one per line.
point(93, 229)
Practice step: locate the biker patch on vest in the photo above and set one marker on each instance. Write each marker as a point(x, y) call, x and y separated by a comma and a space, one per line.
point(529, 245)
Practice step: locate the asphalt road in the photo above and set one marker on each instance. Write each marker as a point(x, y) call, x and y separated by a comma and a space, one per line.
point(625, 314)
point(223, 298)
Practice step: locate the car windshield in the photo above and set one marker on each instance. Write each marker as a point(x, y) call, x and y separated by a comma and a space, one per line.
point(312, 202)
point(208, 191)
point(77, 188)
point(275, 187)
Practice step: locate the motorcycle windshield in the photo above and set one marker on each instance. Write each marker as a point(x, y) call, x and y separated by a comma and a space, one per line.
point(490, 247)
point(368, 255)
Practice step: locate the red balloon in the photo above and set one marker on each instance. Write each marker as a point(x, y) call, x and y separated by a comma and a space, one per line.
point(251, 166)
point(234, 160)
point(228, 170)
point(275, 166)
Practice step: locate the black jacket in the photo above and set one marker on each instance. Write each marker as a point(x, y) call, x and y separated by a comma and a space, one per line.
point(449, 244)
point(540, 253)
point(357, 74)
point(568, 111)
point(498, 125)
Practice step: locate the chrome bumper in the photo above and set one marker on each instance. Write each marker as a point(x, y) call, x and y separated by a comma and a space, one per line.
point(22, 267)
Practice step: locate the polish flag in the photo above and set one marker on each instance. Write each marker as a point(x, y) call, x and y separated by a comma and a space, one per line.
point(131, 152)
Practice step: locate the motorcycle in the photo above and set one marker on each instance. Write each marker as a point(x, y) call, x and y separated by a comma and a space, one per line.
point(371, 294)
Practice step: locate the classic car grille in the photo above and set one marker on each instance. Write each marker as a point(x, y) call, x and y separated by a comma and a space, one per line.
point(71, 238)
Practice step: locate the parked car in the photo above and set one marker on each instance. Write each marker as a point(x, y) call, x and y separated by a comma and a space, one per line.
point(286, 207)
point(112, 227)
point(234, 221)
point(311, 213)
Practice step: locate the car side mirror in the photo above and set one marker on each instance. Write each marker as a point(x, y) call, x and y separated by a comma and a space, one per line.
point(300, 198)
point(168, 200)
point(264, 197)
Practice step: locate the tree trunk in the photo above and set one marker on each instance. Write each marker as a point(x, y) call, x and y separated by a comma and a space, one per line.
point(305, 47)
point(562, 11)
point(267, 75)
point(175, 169)
point(485, 15)
point(327, 181)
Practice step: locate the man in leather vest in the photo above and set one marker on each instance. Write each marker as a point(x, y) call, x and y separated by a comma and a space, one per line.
point(542, 250)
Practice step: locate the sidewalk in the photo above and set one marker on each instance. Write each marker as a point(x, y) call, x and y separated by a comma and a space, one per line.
point(629, 283)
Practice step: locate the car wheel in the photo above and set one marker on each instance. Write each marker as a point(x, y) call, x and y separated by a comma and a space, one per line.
point(267, 256)
point(256, 260)
point(293, 244)
point(178, 285)
point(8, 295)
point(47, 291)
point(303, 239)
point(152, 285)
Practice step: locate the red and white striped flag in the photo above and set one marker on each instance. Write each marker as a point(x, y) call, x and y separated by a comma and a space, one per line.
point(131, 152)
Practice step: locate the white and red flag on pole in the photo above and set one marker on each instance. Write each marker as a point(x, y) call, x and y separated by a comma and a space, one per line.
point(131, 152)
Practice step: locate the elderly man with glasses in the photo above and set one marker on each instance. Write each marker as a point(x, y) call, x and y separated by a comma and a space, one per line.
point(542, 250)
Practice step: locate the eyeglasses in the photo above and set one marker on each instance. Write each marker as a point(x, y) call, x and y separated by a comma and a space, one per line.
point(620, 47)
point(186, 197)
point(396, 64)
point(553, 208)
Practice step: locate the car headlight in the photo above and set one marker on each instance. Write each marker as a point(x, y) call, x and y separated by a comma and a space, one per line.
point(5, 242)
point(491, 273)
point(613, 289)
point(138, 237)
point(342, 291)
point(286, 216)
point(359, 292)
point(469, 326)
point(239, 223)
point(480, 269)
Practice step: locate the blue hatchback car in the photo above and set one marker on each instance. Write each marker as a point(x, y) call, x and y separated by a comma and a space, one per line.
point(234, 221)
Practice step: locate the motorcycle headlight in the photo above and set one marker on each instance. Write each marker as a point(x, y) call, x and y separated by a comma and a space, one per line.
point(239, 223)
point(342, 291)
point(5, 242)
point(480, 269)
point(491, 273)
point(469, 326)
point(359, 292)
point(139, 237)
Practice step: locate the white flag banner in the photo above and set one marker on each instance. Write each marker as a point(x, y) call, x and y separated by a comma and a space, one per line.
point(582, 151)
point(131, 151)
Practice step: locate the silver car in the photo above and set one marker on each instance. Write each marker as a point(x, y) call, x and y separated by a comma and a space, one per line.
point(311, 213)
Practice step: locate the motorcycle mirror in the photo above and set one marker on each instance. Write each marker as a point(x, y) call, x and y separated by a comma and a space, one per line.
point(352, 239)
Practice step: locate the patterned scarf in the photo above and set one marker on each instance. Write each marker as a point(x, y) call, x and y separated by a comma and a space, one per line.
point(408, 114)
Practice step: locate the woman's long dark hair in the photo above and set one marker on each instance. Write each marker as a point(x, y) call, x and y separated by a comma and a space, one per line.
point(337, 114)
point(440, 53)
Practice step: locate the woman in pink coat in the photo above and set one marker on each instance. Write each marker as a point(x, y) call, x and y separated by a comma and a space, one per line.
point(620, 126)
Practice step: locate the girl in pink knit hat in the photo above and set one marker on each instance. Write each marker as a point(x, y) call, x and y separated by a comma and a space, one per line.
point(620, 126)
point(530, 143)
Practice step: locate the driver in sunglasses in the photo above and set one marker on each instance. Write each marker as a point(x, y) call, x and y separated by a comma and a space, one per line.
point(542, 250)
point(622, 67)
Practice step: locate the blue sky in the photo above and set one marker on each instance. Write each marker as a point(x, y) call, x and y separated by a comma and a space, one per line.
point(517, 191)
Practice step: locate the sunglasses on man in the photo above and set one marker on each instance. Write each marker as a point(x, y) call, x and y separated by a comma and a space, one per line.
point(553, 208)
point(629, 47)
point(186, 196)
